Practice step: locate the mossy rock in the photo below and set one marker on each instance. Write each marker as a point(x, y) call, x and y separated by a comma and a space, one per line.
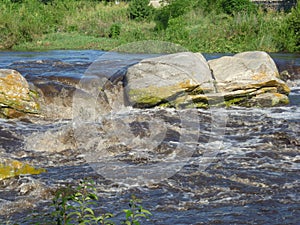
point(13, 168)
point(269, 100)
point(16, 98)
point(167, 80)
point(247, 70)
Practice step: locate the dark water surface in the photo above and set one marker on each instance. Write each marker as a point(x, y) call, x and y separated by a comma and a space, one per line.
point(253, 177)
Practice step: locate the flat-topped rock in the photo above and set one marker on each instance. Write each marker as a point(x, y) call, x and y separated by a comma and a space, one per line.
point(246, 70)
point(187, 80)
point(163, 79)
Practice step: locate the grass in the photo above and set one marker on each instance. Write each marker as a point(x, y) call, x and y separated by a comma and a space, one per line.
point(67, 41)
point(223, 33)
point(32, 25)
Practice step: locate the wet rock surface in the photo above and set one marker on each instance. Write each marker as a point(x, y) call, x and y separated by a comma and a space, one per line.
point(252, 178)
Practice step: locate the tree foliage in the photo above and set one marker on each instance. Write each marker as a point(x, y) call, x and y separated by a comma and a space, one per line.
point(232, 6)
point(139, 9)
point(293, 24)
point(171, 10)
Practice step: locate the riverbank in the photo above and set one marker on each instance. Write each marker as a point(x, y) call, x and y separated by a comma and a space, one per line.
point(105, 26)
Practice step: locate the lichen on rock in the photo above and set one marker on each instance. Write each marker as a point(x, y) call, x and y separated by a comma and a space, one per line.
point(16, 98)
point(165, 80)
point(187, 80)
point(252, 74)
point(12, 168)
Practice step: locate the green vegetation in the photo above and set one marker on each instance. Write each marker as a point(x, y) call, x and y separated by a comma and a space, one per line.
point(139, 9)
point(232, 6)
point(198, 25)
point(135, 213)
point(78, 206)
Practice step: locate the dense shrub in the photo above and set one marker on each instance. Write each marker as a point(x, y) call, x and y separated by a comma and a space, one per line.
point(176, 31)
point(24, 20)
point(114, 30)
point(198, 25)
point(288, 33)
point(293, 22)
point(232, 6)
point(207, 6)
point(139, 9)
point(161, 18)
point(173, 9)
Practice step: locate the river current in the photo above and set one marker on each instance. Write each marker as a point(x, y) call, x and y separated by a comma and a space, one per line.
point(218, 166)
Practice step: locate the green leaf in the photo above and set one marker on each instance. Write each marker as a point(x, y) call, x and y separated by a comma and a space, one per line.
point(92, 196)
point(146, 211)
point(78, 194)
point(108, 215)
point(89, 210)
point(74, 213)
point(128, 213)
point(91, 203)
point(85, 222)
point(135, 222)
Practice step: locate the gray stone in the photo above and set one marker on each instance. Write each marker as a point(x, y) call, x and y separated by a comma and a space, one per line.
point(246, 71)
point(163, 79)
point(187, 80)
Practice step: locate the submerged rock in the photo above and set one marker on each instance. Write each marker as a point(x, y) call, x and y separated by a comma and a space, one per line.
point(16, 98)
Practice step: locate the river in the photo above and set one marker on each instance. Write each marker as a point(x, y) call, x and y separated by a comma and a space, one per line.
point(232, 166)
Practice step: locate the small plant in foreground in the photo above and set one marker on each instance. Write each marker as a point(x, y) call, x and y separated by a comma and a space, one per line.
point(75, 206)
point(84, 198)
point(136, 212)
point(61, 206)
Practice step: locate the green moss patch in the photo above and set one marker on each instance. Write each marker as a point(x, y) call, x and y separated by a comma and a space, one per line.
point(12, 168)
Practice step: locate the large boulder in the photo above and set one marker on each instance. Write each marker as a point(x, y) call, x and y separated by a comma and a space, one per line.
point(16, 98)
point(187, 79)
point(253, 75)
point(168, 80)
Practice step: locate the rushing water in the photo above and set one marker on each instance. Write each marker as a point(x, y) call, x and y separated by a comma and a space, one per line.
point(243, 169)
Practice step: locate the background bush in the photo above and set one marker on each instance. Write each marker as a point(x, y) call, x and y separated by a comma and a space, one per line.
point(139, 9)
point(232, 6)
point(115, 30)
point(293, 24)
point(197, 25)
point(172, 9)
